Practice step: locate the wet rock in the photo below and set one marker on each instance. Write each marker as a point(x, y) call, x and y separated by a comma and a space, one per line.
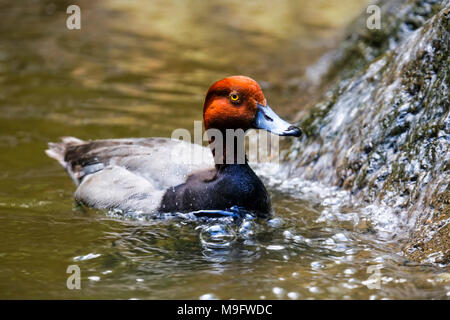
point(383, 130)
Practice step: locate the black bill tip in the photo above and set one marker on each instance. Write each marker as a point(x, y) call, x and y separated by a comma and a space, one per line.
point(293, 131)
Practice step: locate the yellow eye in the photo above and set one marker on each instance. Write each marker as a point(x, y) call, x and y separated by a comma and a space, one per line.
point(234, 97)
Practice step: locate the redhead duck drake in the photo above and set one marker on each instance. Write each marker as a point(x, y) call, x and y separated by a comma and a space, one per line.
point(142, 174)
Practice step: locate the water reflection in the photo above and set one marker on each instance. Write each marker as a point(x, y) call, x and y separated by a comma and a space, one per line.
point(294, 261)
point(142, 70)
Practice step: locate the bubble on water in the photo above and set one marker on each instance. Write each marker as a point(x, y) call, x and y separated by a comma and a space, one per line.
point(293, 295)
point(278, 291)
point(208, 296)
point(217, 236)
point(246, 229)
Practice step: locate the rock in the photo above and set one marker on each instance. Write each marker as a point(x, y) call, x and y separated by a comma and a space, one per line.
point(383, 131)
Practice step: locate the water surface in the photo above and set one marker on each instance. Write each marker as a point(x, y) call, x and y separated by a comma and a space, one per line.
point(137, 69)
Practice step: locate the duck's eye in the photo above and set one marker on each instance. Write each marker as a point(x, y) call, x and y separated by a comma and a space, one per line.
point(234, 97)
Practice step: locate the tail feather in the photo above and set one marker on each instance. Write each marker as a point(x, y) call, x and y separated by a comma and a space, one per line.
point(57, 151)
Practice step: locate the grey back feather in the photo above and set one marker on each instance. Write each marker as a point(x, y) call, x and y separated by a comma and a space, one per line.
point(128, 174)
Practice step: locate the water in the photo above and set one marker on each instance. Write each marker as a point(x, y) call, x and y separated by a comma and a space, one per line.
point(142, 70)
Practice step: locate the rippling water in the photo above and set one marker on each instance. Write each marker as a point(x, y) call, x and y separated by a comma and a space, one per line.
point(136, 69)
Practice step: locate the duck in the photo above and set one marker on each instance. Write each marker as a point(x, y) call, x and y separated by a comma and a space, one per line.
point(150, 175)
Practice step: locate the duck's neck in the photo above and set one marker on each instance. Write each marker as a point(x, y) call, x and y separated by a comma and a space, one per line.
point(230, 152)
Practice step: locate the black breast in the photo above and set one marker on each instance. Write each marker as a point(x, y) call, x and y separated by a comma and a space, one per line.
point(221, 189)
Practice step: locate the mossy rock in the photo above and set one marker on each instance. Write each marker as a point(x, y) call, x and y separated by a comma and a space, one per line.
point(383, 130)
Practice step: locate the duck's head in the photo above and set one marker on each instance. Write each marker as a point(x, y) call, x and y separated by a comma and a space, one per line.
point(238, 102)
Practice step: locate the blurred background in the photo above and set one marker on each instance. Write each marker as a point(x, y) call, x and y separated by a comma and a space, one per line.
point(142, 68)
point(138, 69)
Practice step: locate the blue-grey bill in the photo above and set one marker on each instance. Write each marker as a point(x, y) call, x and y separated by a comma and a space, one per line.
point(268, 120)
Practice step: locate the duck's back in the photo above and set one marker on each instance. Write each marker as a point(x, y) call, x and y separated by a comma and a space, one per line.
point(128, 174)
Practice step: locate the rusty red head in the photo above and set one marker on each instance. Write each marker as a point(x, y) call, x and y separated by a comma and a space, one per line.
point(238, 102)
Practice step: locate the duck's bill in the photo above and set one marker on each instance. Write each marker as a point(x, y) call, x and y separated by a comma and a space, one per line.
point(268, 120)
